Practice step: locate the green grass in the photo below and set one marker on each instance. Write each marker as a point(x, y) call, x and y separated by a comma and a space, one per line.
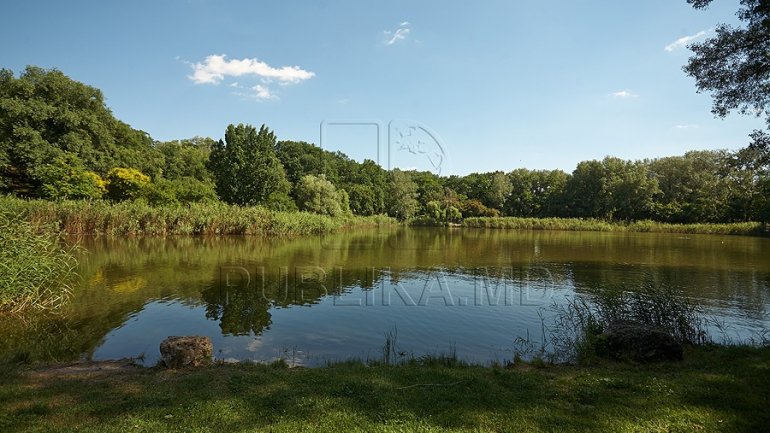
point(578, 224)
point(713, 390)
point(35, 269)
point(136, 218)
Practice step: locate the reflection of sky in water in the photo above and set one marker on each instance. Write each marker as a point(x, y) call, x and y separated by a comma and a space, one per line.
point(432, 313)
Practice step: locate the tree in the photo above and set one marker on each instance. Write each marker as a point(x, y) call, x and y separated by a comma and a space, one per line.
point(584, 190)
point(628, 189)
point(186, 158)
point(44, 113)
point(318, 195)
point(734, 65)
point(536, 193)
point(402, 195)
point(246, 169)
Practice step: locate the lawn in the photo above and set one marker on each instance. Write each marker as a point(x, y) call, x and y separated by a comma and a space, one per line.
point(714, 389)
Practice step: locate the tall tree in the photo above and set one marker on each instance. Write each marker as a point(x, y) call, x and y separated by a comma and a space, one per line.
point(402, 195)
point(246, 169)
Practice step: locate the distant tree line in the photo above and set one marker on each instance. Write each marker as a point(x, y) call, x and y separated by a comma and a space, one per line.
point(58, 140)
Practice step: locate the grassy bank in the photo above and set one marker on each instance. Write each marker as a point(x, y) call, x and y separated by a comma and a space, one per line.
point(137, 218)
point(713, 390)
point(577, 224)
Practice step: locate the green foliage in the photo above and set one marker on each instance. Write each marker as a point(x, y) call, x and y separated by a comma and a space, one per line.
point(66, 178)
point(44, 113)
point(318, 195)
point(183, 190)
point(186, 158)
point(126, 184)
point(246, 169)
point(474, 208)
point(35, 271)
point(537, 193)
point(57, 137)
point(732, 64)
point(402, 195)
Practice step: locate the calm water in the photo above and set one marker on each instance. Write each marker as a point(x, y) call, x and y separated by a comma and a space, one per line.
point(327, 298)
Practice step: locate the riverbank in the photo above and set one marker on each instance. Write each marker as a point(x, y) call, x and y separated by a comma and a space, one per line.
point(131, 218)
point(577, 224)
point(722, 389)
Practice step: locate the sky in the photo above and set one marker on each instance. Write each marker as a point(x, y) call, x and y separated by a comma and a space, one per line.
point(455, 87)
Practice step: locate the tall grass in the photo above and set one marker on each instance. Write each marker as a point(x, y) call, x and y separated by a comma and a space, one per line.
point(580, 321)
point(35, 271)
point(578, 224)
point(137, 218)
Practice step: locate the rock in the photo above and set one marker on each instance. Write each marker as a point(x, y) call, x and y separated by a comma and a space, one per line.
point(640, 342)
point(192, 351)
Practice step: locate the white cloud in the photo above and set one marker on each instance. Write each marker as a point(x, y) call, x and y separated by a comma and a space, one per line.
point(399, 34)
point(262, 92)
point(216, 67)
point(685, 40)
point(687, 126)
point(623, 94)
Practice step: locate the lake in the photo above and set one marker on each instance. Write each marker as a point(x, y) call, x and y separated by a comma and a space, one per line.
point(471, 292)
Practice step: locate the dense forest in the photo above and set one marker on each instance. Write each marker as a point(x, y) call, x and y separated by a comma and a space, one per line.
point(59, 141)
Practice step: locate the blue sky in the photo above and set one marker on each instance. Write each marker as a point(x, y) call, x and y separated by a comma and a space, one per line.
point(501, 84)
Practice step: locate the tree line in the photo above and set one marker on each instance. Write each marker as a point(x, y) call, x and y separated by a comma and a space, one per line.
point(58, 140)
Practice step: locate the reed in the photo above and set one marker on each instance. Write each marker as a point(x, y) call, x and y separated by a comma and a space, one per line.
point(138, 218)
point(35, 270)
point(578, 224)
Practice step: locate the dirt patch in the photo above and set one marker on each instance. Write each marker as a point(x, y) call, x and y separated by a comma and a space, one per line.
point(84, 368)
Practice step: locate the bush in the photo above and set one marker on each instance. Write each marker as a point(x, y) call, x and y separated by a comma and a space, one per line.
point(126, 184)
point(65, 178)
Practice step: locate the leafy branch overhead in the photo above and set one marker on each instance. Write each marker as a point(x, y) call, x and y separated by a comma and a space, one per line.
point(734, 65)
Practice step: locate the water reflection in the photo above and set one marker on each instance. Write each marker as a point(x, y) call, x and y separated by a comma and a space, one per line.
point(334, 297)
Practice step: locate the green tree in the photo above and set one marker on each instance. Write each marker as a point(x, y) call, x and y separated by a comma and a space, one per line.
point(318, 195)
point(402, 195)
point(536, 193)
point(246, 169)
point(44, 113)
point(186, 158)
point(628, 189)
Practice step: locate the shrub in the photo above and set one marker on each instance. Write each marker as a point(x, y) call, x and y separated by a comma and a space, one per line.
point(66, 178)
point(126, 183)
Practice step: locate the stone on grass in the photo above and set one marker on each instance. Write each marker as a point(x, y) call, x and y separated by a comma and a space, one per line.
point(640, 342)
point(190, 351)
